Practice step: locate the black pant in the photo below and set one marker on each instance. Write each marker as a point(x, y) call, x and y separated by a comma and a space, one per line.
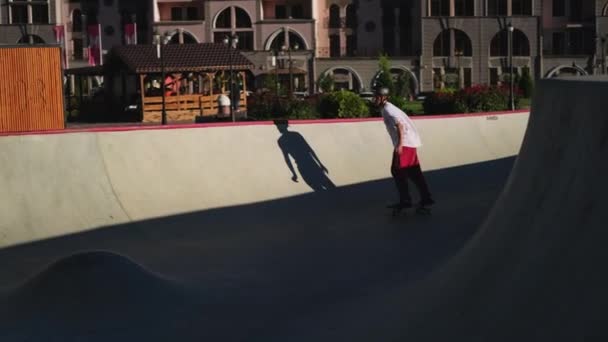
point(401, 175)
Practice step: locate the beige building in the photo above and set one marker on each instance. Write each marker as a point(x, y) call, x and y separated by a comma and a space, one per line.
point(438, 43)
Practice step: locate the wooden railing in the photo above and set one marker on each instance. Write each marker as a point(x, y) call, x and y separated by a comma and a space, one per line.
point(184, 107)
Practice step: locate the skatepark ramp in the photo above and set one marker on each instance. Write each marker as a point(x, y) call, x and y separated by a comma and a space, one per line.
point(536, 270)
point(61, 184)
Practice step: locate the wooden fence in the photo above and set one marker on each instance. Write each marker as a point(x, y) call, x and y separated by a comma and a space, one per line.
point(31, 95)
point(181, 108)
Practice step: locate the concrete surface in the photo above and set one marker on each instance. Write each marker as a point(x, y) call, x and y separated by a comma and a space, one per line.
point(202, 234)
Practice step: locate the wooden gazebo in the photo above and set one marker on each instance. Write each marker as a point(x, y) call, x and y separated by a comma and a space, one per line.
point(195, 75)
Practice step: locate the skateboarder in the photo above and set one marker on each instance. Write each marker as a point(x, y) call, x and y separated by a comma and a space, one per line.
point(405, 164)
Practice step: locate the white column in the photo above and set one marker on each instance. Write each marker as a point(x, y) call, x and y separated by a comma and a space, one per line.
point(155, 11)
point(59, 19)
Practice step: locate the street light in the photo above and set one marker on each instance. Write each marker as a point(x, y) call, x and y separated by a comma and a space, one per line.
point(295, 47)
point(511, 90)
point(232, 42)
point(459, 53)
point(603, 40)
point(160, 42)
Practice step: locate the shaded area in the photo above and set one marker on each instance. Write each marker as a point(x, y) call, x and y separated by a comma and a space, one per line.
point(269, 271)
point(310, 167)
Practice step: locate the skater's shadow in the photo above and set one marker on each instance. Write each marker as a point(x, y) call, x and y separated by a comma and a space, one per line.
point(310, 167)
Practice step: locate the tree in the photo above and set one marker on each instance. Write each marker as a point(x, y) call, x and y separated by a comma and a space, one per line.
point(384, 78)
point(326, 83)
point(525, 83)
point(402, 85)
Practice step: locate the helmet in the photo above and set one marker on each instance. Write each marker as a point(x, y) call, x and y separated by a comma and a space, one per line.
point(382, 91)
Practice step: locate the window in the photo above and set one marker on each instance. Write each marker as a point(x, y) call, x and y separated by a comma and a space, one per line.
point(497, 7)
point(500, 44)
point(29, 11)
point(234, 20)
point(351, 45)
point(223, 20)
point(76, 21)
point(559, 43)
point(440, 8)
point(351, 17)
point(334, 45)
point(464, 8)
point(576, 10)
point(176, 13)
point(280, 12)
point(185, 13)
point(242, 18)
point(559, 8)
point(334, 16)
point(192, 13)
point(282, 40)
point(441, 47)
point(297, 11)
point(443, 44)
point(521, 7)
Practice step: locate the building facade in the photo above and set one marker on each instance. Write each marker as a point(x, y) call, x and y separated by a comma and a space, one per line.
point(439, 43)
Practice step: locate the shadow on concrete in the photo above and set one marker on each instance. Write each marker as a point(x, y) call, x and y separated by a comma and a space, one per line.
point(310, 167)
point(262, 271)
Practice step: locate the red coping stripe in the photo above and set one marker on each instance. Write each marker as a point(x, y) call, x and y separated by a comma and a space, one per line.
point(244, 123)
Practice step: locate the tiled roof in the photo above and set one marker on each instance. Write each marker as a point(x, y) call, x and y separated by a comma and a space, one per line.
point(181, 57)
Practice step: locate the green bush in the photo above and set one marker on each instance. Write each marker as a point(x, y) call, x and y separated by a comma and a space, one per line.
point(343, 104)
point(525, 83)
point(301, 109)
point(478, 98)
point(440, 102)
point(399, 101)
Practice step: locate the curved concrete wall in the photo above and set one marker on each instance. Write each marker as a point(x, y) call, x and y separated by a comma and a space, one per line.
point(65, 183)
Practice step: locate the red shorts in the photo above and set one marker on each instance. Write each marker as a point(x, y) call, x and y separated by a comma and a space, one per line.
point(407, 158)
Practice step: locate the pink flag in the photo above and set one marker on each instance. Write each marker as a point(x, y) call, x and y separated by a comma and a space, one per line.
point(60, 39)
point(131, 34)
point(95, 49)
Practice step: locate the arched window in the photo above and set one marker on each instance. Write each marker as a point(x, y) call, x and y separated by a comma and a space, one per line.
point(242, 18)
point(187, 38)
point(334, 16)
point(291, 39)
point(234, 21)
point(351, 16)
point(76, 21)
point(452, 42)
point(500, 44)
point(345, 78)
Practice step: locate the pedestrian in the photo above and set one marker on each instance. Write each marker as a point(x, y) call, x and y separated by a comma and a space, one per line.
point(405, 164)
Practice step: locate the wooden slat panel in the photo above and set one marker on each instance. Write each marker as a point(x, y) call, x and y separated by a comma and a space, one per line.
point(31, 96)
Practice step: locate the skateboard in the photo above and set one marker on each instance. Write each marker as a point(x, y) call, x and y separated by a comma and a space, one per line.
point(397, 208)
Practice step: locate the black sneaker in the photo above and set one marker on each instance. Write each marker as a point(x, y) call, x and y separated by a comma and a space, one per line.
point(399, 206)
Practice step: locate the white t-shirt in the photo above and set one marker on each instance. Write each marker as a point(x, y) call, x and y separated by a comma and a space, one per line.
point(392, 115)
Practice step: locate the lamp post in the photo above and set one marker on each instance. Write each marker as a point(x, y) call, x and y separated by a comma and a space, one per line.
point(232, 42)
point(160, 42)
point(603, 41)
point(511, 90)
point(275, 64)
point(289, 50)
point(459, 53)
